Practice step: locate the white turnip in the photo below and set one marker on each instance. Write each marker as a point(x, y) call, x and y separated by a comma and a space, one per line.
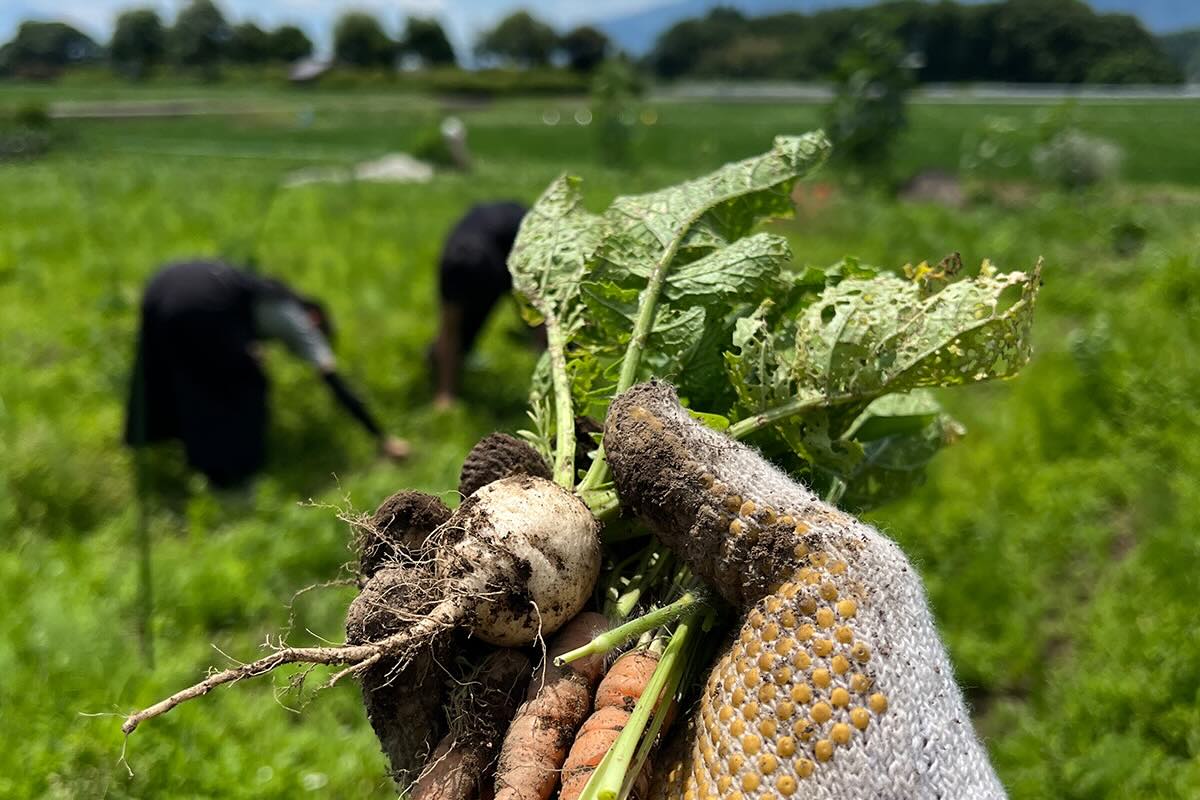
point(516, 560)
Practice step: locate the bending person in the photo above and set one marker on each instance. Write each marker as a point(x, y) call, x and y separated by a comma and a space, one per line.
point(472, 277)
point(198, 375)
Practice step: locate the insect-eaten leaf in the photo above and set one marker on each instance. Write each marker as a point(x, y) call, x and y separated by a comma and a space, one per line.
point(825, 369)
point(821, 387)
point(648, 282)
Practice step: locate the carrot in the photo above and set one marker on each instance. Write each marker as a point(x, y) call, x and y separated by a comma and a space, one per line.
point(556, 704)
point(458, 768)
point(616, 697)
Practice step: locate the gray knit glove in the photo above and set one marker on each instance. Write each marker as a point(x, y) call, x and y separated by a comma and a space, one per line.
point(837, 685)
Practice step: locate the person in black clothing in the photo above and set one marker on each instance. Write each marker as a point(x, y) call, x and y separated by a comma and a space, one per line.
point(197, 374)
point(472, 277)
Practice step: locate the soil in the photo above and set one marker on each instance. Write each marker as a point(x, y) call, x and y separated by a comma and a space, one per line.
point(659, 468)
point(400, 525)
point(496, 456)
point(404, 703)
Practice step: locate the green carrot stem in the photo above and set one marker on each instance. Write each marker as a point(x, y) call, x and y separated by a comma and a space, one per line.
point(603, 503)
point(686, 605)
point(616, 579)
point(627, 602)
point(662, 710)
point(609, 780)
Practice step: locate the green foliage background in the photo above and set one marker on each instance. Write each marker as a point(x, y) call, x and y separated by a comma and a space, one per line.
point(1057, 540)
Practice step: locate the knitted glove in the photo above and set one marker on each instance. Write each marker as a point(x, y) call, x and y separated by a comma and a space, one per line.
point(837, 685)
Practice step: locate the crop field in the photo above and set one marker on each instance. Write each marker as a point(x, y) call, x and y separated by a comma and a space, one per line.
point(1058, 540)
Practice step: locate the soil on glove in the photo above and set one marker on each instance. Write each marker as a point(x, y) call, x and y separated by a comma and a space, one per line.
point(659, 467)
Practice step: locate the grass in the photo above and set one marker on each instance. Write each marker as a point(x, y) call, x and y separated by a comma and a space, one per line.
point(1057, 540)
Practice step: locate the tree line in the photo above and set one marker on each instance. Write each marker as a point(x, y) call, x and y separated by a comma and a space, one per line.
point(1051, 41)
point(202, 39)
point(1018, 41)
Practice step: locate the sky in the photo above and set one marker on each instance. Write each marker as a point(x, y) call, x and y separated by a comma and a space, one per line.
point(468, 17)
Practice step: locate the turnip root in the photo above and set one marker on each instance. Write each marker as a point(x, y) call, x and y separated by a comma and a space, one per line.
point(523, 554)
point(837, 685)
point(403, 701)
point(516, 560)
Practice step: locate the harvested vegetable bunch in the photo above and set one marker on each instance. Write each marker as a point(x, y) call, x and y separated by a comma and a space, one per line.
point(796, 639)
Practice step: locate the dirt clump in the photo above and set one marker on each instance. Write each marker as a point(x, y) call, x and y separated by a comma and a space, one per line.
point(400, 526)
point(496, 456)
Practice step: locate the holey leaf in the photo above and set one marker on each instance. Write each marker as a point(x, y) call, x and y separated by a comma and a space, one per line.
point(745, 270)
point(863, 338)
point(830, 391)
point(553, 248)
point(689, 246)
point(899, 434)
point(683, 223)
point(548, 260)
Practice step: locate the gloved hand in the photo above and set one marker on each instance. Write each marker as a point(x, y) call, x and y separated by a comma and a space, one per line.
point(837, 685)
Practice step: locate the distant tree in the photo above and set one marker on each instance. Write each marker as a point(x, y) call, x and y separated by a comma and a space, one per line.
point(359, 40)
point(139, 42)
point(585, 47)
point(1061, 41)
point(249, 44)
point(869, 108)
point(519, 38)
point(1134, 66)
point(1121, 50)
point(289, 43)
point(425, 39)
point(1183, 48)
point(43, 49)
point(199, 37)
point(680, 49)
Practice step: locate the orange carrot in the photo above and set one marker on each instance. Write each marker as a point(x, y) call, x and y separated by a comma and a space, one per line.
point(616, 696)
point(555, 705)
point(460, 766)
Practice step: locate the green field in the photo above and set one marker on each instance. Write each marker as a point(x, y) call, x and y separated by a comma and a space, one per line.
point(1058, 540)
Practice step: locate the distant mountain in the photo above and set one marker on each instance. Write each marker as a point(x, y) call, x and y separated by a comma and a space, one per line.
point(1160, 16)
point(636, 32)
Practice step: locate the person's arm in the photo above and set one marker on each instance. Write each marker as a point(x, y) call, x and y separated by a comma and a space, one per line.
point(351, 402)
point(447, 354)
point(287, 321)
point(390, 446)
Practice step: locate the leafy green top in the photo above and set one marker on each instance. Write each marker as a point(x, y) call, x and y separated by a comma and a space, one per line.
point(825, 369)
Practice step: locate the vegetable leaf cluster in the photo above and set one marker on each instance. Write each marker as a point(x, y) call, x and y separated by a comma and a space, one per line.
point(827, 370)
